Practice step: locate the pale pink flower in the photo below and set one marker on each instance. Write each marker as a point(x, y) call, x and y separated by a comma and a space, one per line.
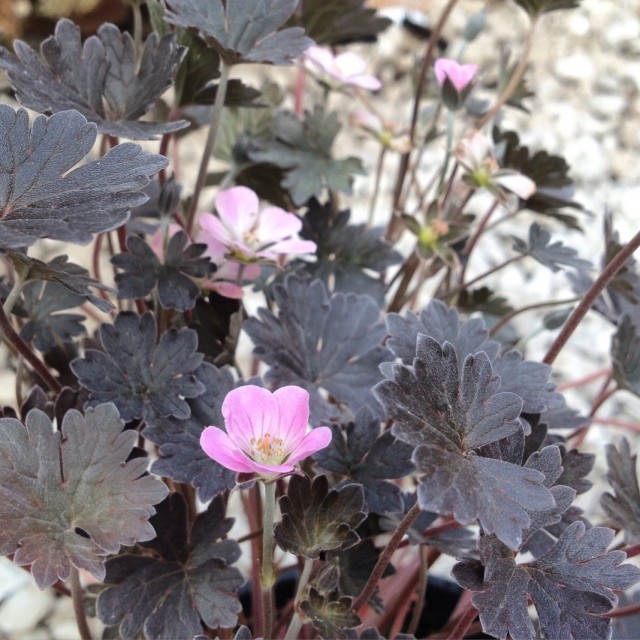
point(266, 433)
point(346, 68)
point(244, 233)
point(385, 131)
point(475, 154)
point(460, 75)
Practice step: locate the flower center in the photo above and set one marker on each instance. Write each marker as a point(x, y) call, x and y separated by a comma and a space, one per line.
point(267, 450)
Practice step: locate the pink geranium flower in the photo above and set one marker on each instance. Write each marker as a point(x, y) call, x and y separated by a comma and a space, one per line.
point(460, 75)
point(344, 69)
point(244, 233)
point(475, 154)
point(266, 432)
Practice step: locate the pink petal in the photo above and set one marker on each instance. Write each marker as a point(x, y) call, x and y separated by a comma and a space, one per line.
point(522, 186)
point(320, 57)
point(459, 75)
point(217, 445)
point(276, 224)
point(313, 441)
point(288, 246)
point(349, 64)
point(366, 120)
point(238, 209)
point(293, 405)
point(215, 235)
point(226, 289)
point(249, 411)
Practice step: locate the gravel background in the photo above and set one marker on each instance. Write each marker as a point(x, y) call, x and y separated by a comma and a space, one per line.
point(586, 73)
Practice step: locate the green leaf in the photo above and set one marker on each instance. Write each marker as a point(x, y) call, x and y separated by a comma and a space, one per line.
point(316, 519)
point(70, 497)
point(303, 149)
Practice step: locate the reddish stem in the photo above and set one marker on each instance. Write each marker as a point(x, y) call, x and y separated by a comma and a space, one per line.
point(464, 623)
point(591, 296)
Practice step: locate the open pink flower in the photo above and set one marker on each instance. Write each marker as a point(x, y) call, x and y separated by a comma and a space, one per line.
point(460, 75)
point(244, 233)
point(346, 68)
point(266, 432)
point(475, 154)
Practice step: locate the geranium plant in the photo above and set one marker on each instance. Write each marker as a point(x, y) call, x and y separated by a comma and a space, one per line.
point(388, 413)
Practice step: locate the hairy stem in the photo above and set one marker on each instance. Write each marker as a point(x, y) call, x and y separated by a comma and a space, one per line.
point(590, 297)
point(78, 605)
point(385, 557)
point(376, 186)
point(267, 575)
point(216, 115)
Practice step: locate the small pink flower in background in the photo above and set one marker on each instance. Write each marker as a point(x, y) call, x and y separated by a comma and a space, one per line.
point(475, 154)
point(460, 75)
point(244, 233)
point(346, 68)
point(266, 432)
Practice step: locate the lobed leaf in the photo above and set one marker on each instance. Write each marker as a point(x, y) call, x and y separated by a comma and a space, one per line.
point(45, 327)
point(137, 375)
point(625, 356)
point(554, 255)
point(346, 254)
point(43, 196)
point(316, 519)
point(101, 79)
point(623, 506)
point(180, 455)
point(70, 497)
point(72, 277)
point(173, 278)
point(321, 342)
point(243, 30)
point(185, 581)
point(337, 22)
point(447, 416)
point(303, 150)
point(369, 458)
point(571, 586)
point(330, 617)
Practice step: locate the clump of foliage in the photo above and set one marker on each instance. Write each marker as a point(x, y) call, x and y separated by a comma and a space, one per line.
point(434, 433)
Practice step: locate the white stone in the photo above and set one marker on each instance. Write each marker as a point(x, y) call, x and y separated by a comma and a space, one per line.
point(588, 159)
point(12, 578)
point(24, 609)
point(575, 67)
point(608, 105)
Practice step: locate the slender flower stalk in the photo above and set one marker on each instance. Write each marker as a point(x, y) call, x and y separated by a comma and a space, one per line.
point(214, 125)
point(267, 575)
